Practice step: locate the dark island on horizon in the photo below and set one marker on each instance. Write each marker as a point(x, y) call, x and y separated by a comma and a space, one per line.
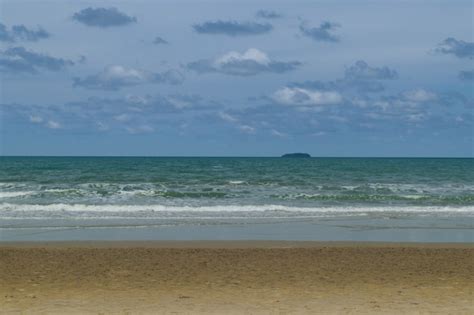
point(296, 155)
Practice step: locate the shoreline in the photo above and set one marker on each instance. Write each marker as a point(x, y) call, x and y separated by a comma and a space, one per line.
point(243, 244)
point(235, 277)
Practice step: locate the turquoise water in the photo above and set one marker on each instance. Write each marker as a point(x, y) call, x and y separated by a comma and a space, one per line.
point(86, 192)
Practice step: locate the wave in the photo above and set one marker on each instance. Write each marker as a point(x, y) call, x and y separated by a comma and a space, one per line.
point(237, 191)
point(13, 194)
point(235, 186)
point(443, 199)
point(63, 207)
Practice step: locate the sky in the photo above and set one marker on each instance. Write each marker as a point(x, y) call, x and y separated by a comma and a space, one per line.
point(237, 78)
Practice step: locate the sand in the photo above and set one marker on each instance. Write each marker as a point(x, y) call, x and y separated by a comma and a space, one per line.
point(236, 278)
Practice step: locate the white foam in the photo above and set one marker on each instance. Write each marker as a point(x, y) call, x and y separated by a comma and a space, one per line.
point(59, 207)
point(412, 196)
point(12, 194)
point(236, 182)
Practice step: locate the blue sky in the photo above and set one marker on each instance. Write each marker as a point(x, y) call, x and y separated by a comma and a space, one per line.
point(247, 78)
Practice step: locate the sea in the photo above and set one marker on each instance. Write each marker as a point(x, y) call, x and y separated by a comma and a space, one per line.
point(236, 198)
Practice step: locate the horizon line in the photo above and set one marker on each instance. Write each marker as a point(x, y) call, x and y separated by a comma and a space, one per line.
point(239, 156)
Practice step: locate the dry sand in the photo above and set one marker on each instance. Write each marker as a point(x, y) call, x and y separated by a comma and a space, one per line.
point(236, 277)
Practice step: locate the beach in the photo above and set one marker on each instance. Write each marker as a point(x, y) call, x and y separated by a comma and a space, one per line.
point(234, 277)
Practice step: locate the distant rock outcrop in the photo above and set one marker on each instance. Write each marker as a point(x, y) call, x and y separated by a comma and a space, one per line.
point(296, 155)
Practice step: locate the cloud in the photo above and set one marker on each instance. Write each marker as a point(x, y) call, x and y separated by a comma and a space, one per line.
point(279, 134)
point(53, 125)
point(140, 129)
point(115, 77)
point(20, 60)
point(173, 103)
point(131, 114)
point(409, 107)
point(227, 117)
point(458, 48)
point(362, 71)
point(419, 96)
point(322, 105)
point(342, 85)
point(247, 129)
point(319, 108)
point(190, 102)
point(267, 14)
point(251, 62)
point(234, 121)
point(160, 41)
point(319, 133)
point(322, 33)
point(282, 122)
point(103, 17)
point(303, 97)
point(36, 119)
point(21, 33)
point(393, 104)
point(358, 78)
point(122, 117)
point(467, 75)
point(232, 28)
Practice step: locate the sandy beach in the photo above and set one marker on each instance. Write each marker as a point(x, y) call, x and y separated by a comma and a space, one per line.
point(236, 277)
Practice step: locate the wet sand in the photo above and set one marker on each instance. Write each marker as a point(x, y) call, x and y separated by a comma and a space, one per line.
point(236, 277)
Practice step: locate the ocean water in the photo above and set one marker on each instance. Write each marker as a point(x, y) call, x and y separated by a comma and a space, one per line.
point(236, 198)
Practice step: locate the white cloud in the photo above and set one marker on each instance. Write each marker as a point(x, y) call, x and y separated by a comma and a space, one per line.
point(136, 99)
point(101, 126)
point(122, 117)
point(277, 133)
point(53, 124)
point(36, 119)
point(180, 103)
point(337, 118)
point(114, 77)
point(235, 122)
point(419, 95)
point(227, 117)
point(140, 129)
point(383, 104)
point(117, 72)
point(416, 117)
point(247, 129)
point(252, 54)
point(303, 97)
point(248, 63)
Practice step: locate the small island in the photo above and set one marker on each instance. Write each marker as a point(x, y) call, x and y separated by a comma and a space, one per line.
point(296, 155)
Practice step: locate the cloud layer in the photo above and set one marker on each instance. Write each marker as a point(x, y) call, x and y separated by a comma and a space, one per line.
point(362, 71)
point(251, 62)
point(359, 78)
point(458, 48)
point(21, 33)
point(232, 28)
point(299, 96)
point(268, 14)
point(160, 41)
point(323, 33)
point(103, 17)
point(131, 114)
point(115, 77)
point(20, 60)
